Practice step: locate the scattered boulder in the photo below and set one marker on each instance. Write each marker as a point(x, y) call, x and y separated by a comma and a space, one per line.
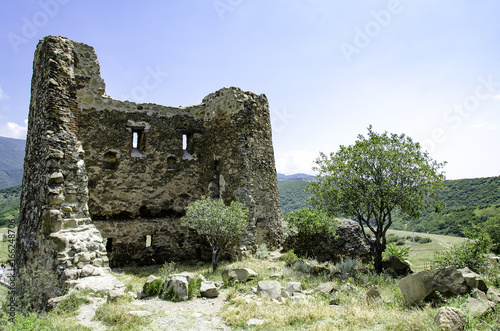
point(151, 279)
point(423, 285)
point(473, 279)
point(477, 307)
point(209, 290)
point(478, 294)
point(238, 275)
point(293, 287)
point(396, 266)
point(269, 288)
point(326, 288)
point(450, 318)
point(115, 294)
point(493, 295)
point(373, 295)
point(177, 286)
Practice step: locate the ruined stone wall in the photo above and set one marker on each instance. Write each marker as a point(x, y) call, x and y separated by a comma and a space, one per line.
point(135, 193)
point(55, 230)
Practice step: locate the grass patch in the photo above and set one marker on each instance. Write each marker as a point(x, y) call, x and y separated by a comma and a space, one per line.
point(117, 316)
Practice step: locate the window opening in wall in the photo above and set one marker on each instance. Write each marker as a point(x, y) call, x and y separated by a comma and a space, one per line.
point(109, 245)
point(137, 142)
point(109, 161)
point(148, 240)
point(184, 142)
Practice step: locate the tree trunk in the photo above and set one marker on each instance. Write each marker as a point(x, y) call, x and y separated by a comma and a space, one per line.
point(377, 257)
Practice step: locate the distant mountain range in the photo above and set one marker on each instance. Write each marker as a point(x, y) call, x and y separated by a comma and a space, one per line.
point(11, 161)
point(287, 178)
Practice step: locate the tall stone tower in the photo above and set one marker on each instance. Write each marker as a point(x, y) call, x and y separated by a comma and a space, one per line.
point(106, 181)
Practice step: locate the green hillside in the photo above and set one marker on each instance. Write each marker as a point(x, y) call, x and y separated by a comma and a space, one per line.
point(9, 204)
point(468, 201)
point(11, 162)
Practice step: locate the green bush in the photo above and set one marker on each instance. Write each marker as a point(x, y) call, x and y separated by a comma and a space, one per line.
point(289, 257)
point(347, 266)
point(472, 254)
point(154, 288)
point(262, 253)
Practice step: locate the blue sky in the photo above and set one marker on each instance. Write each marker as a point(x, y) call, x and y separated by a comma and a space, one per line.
point(330, 68)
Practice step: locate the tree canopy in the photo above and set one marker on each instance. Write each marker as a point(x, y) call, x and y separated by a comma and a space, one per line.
point(219, 223)
point(372, 180)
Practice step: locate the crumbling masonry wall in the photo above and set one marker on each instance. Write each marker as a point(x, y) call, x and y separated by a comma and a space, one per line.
point(106, 181)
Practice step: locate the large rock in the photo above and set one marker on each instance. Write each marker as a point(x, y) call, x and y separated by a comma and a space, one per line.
point(450, 318)
point(209, 290)
point(269, 288)
point(473, 279)
point(349, 243)
point(396, 267)
point(238, 275)
point(148, 282)
point(423, 285)
point(493, 295)
point(176, 285)
point(478, 307)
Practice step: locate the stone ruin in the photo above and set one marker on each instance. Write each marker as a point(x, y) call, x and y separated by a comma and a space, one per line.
point(106, 181)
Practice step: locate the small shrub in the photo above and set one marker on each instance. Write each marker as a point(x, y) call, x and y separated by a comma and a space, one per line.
point(422, 240)
point(400, 252)
point(347, 266)
point(472, 254)
point(289, 257)
point(154, 288)
point(167, 269)
point(194, 287)
point(262, 253)
point(301, 266)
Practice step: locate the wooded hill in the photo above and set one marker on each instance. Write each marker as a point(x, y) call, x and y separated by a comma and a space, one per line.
point(468, 201)
point(11, 162)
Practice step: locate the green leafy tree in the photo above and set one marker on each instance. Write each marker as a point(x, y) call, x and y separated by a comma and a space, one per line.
point(311, 222)
point(380, 176)
point(219, 223)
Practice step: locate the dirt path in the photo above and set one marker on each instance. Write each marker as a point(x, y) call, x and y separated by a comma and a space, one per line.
point(200, 314)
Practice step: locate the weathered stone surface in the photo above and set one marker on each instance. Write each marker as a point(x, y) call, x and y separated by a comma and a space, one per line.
point(85, 177)
point(293, 287)
point(149, 280)
point(493, 295)
point(396, 267)
point(473, 279)
point(115, 294)
point(87, 270)
point(209, 290)
point(326, 288)
point(477, 306)
point(423, 285)
point(269, 288)
point(177, 285)
point(478, 294)
point(349, 243)
point(450, 319)
point(240, 275)
point(373, 294)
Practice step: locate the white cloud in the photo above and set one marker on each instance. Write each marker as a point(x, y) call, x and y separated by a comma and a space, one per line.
point(14, 130)
point(292, 162)
point(3, 95)
point(497, 97)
